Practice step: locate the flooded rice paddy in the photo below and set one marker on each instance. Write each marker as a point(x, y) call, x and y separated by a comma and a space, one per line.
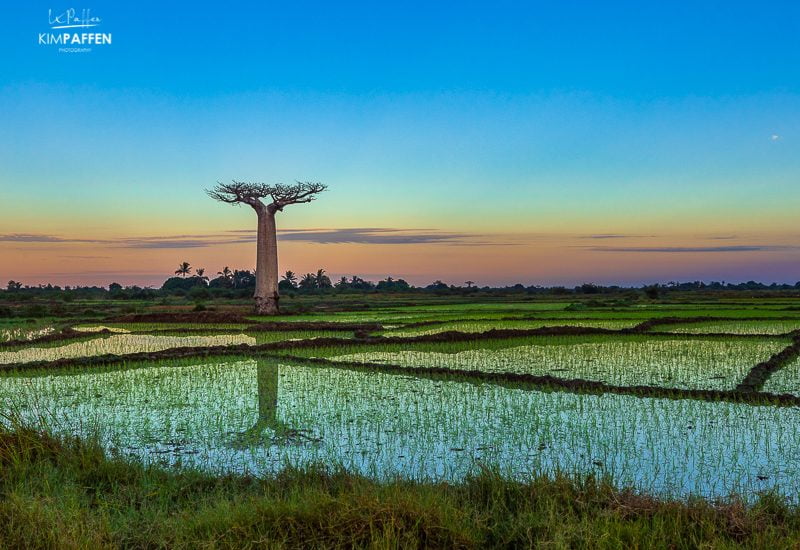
point(735, 327)
point(12, 333)
point(257, 416)
point(418, 409)
point(688, 364)
point(483, 326)
point(786, 380)
point(119, 344)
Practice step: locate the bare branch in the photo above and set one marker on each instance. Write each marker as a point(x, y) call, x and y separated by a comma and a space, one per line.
point(281, 194)
point(299, 192)
point(237, 192)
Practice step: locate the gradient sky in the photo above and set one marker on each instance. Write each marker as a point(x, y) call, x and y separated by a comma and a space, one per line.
point(534, 142)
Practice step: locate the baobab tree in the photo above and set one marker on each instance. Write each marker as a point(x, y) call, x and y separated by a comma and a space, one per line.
point(279, 196)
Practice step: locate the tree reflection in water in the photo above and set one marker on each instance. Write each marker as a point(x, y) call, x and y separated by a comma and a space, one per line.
point(268, 428)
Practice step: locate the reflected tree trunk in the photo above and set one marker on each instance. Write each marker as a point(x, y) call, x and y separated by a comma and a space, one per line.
point(267, 376)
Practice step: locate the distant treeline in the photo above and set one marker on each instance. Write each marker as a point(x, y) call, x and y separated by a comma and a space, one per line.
point(241, 283)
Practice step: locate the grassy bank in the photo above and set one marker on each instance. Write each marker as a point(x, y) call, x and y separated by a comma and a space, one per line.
point(70, 495)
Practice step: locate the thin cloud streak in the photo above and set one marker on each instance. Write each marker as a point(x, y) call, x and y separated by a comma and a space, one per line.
point(36, 238)
point(375, 236)
point(691, 249)
point(357, 235)
point(615, 236)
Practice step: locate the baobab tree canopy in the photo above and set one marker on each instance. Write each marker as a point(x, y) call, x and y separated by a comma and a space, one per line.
point(281, 195)
point(277, 196)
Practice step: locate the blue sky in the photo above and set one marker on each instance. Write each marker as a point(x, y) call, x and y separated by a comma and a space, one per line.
point(632, 50)
point(535, 122)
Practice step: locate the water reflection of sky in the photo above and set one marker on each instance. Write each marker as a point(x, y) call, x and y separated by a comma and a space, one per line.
point(385, 425)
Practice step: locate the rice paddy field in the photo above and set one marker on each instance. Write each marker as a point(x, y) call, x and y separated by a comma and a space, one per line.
point(674, 401)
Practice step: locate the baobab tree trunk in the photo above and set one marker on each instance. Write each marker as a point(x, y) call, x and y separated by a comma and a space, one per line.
point(266, 294)
point(239, 192)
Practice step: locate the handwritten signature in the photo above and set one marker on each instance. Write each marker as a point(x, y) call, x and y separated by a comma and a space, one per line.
point(71, 18)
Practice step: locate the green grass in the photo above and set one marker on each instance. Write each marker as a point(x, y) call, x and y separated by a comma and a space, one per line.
point(70, 495)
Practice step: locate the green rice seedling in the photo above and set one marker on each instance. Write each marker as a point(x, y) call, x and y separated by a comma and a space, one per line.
point(154, 327)
point(100, 328)
point(296, 335)
point(786, 380)
point(685, 364)
point(483, 326)
point(260, 417)
point(119, 344)
point(733, 327)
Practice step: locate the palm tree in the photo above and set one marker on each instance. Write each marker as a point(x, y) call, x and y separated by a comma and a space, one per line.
point(290, 278)
point(184, 269)
point(226, 272)
point(308, 281)
point(322, 280)
point(200, 273)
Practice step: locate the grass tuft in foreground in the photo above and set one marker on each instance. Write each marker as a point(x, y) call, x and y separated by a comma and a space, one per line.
point(69, 494)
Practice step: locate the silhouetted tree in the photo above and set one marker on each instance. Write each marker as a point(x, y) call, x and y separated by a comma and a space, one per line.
point(437, 285)
point(308, 282)
point(393, 285)
point(280, 195)
point(184, 269)
point(322, 280)
point(226, 273)
point(360, 284)
point(652, 291)
point(243, 278)
point(291, 278)
point(288, 282)
point(588, 288)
